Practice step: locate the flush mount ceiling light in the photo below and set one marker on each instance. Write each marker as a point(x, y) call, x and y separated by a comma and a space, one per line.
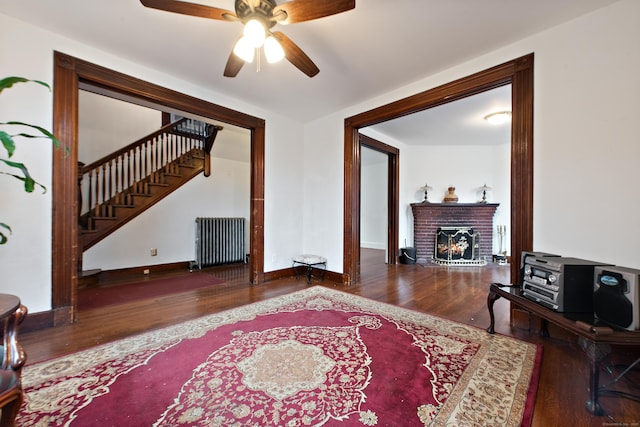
point(498, 117)
point(258, 18)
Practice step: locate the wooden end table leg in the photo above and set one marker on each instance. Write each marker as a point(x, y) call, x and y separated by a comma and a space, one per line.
point(596, 353)
point(491, 299)
point(544, 328)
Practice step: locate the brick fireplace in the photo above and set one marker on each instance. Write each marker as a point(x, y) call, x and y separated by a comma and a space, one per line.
point(429, 217)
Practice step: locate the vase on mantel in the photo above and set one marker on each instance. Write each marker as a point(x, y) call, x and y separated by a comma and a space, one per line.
point(450, 196)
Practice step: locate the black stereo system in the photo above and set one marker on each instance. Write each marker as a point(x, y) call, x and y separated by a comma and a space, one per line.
point(565, 284)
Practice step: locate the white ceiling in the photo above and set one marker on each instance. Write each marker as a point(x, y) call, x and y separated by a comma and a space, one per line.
point(378, 46)
point(456, 123)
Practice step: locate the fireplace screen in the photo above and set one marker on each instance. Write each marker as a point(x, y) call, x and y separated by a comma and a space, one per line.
point(457, 246)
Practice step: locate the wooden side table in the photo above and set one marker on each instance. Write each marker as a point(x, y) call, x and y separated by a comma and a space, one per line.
point(12, 313)
point(594, 339)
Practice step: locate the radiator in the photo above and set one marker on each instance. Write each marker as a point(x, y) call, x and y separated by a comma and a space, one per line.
point(220, 241)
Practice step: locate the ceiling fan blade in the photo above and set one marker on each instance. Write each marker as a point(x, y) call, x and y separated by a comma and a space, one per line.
point(234, 65)
point(296, 56)
point(192, 9)
point(307, 10)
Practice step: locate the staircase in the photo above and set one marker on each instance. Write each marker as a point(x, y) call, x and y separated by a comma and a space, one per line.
point(117, 188)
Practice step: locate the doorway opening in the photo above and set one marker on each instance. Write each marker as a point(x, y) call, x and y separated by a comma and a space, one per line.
point(379, 199)
point(69, 75)
point(518, 73)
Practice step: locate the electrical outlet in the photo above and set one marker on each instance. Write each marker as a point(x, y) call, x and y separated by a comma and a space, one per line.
point(145, 271)
point(154, 251)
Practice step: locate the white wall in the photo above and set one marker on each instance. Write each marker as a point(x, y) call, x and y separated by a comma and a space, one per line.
point(106, 124)
point(26, 260)
point(323, 189)
point(586, 104)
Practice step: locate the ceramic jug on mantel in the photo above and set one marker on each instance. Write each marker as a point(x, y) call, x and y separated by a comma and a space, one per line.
point(450, 196)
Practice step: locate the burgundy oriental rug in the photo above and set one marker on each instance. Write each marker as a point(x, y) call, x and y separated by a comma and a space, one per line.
point(316, 357)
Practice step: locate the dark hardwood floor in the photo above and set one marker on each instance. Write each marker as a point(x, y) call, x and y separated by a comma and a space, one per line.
point(456, 293)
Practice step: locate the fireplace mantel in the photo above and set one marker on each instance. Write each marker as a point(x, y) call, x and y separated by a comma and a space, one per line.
point(428, 217)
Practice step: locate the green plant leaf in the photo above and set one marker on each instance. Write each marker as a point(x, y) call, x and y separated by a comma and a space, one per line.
point(3, 237)
point(7, 82)
point(7, 142)
point(9, 145)
point(29, 182)
point(45, 133)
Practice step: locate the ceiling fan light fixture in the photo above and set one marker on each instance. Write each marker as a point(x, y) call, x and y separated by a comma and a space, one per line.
point(244, 49)
point(254, 32)
point(498, 118)
point(258, 18)
point(273, 50)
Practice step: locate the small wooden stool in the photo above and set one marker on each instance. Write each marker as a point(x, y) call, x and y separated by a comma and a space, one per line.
point(311, 262)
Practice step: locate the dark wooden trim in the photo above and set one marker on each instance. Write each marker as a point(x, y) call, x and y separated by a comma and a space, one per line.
point(393, 191)
point(283, 273)
point(138, 272)
point(332, 276)
point(521, 163)
point(37, 321)
point(64, 240)
point(257, 203)
point(329, 276)
point(518, 73)
point(45, 319)
point(351, 243)
point(69, 74)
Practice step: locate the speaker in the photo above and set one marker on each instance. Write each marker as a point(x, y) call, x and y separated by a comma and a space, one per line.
point(616, 296)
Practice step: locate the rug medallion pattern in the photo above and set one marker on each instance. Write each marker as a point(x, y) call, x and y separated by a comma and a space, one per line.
point(316, 357)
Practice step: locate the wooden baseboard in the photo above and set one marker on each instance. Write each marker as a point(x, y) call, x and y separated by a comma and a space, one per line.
point(37, 321)
point(142, 271)
point(327, 275)
point(47, 319)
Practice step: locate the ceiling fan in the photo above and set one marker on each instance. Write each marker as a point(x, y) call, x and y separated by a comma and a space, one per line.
point(258, 18)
